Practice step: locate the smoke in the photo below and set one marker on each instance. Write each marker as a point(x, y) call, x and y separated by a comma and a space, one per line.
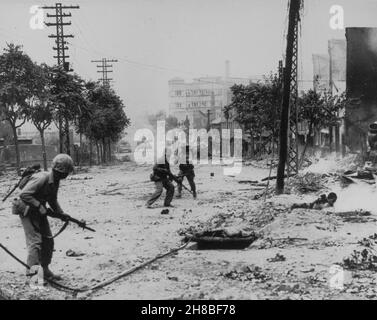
point(356, 197)
point(323, 165)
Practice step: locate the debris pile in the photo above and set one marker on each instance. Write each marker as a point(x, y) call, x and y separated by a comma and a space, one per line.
point(308, 182)
point(243, 221)
point(267, 192)
point(361, 260)
point(278, 258)
point(350, 176)
point(357, 216)
point(265, 214)
point(369, 242)
point(247, 273)
point(334, 164)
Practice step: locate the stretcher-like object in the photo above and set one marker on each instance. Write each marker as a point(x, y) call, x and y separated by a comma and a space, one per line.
point(212, 240)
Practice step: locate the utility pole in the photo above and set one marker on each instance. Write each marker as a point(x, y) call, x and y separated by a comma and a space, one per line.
point(276, 119)
point(104, 69)
point(61, 47)
point(331, 86)
point(208, 119)
point(288, 123)
point(293, 165)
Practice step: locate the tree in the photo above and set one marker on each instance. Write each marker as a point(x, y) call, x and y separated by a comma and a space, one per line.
point(5, 131)
point(243, 105)
point(68, 91)
point(16, 87)
point(106, 120)
point(42, 104)
point(257, 107)
point(318, 111)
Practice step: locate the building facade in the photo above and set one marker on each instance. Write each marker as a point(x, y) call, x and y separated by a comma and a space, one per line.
point(202, 100)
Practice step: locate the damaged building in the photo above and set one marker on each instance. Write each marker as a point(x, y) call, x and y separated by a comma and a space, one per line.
point(361, 85)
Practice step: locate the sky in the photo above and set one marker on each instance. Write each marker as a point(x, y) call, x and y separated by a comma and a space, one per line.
point(156, 40)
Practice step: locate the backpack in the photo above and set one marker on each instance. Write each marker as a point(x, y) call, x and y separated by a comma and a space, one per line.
point(19, 207)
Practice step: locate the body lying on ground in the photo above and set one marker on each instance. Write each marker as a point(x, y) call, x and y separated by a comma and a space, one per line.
point(322, 202)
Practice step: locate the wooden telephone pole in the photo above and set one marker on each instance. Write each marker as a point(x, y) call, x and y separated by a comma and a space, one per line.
point(288, 123)
point(104, 69)
point(61, 47)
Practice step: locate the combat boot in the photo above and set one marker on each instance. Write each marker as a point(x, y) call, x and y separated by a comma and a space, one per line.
point(49, 275)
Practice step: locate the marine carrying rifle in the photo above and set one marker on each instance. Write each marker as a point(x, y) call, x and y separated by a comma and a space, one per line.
point(67, 219)
point(174, 178)
point(25, 176)
point(179, 181)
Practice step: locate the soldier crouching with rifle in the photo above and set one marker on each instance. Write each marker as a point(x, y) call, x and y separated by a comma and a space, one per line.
point(162, 177)
point(42, 188)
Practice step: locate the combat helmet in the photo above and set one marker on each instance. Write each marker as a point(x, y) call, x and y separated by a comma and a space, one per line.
point(62, 163)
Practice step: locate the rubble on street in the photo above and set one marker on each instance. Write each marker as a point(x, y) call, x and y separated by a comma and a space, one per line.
point(291, 248)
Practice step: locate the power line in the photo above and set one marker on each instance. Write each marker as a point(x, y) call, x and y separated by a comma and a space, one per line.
point(61, 59)
point(104, 68)
point(60, 36)
point(288, 152)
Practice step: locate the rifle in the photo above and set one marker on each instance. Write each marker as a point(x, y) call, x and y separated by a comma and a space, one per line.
point(177, 180)
point(29, 171)
point(67, 219)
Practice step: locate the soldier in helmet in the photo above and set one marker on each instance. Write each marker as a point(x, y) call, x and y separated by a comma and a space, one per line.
point(42, 189)
point(186, 169)
point(162, 177)
point(322, 202)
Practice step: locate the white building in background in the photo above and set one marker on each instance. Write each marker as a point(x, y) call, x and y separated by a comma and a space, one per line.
point(29, 131)
point(201, 98)
point(329, 76)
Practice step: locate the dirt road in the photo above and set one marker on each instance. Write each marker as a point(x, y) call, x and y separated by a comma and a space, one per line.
point(293, 259)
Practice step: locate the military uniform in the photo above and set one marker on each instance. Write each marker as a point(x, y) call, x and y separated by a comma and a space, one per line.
point(321, 203)
point(41, 189)
point(161, 176)
point(186, 170)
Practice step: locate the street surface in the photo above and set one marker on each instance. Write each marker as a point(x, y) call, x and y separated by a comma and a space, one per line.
point(293, 258)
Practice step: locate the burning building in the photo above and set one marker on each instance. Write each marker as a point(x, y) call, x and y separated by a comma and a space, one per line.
point(361, 85)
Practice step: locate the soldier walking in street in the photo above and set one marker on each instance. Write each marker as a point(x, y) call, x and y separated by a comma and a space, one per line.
point(42, 188)
point(186, 169)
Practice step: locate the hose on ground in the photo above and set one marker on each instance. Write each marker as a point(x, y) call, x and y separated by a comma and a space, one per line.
point(107, 282)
